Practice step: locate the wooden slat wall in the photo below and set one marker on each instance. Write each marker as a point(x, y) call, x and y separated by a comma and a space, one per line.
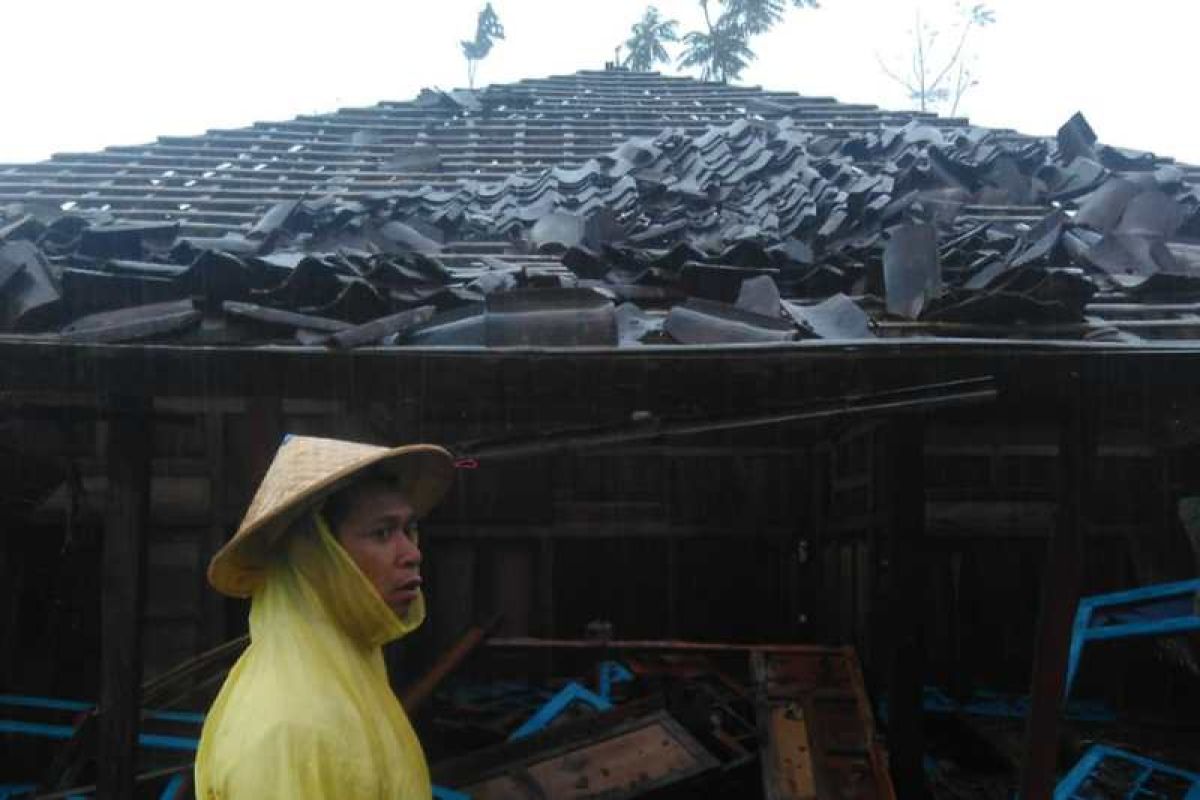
point(771, 536)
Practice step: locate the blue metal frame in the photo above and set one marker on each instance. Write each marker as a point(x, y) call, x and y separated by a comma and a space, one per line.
point(1097, 619)
point(571, 693)
point(986, 703)
point(607, 674)
point(610, 672)
point(149, 740)
point(442, 793)
point(171, 790)
point(57, 704)
point(1070, 785)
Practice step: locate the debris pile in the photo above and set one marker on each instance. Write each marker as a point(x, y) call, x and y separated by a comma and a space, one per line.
point(757, 232)
point(668, 719)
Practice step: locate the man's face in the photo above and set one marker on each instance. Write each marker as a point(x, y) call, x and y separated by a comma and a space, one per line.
point(379, 534)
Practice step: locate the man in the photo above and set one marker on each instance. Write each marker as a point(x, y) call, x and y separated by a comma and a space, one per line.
point(328, 553)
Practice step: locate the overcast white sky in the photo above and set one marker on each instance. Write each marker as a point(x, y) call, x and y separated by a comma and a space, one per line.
point(80, 75)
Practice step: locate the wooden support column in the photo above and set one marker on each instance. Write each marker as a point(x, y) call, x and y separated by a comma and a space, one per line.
point(265, 417)
point(123, 589)
point(212, 605)
point(1061, 582)
point(906, 607)
point(544, 599)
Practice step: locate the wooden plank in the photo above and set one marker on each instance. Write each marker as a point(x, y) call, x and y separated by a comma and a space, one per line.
point(414, 696)
point(1061, 582)
point(123, 587)
point(787, 755)
point(452, 568)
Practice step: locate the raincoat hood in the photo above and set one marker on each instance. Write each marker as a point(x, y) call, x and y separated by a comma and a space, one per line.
point(331, 586)
point(307, 711)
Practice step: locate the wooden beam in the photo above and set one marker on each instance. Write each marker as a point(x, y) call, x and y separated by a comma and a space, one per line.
point(905, 605)
point(415, 695)
point(122, 592)
point(1061, 582)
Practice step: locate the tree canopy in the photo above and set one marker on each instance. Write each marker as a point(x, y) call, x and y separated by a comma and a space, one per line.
point(722, 51)
point(647, 40)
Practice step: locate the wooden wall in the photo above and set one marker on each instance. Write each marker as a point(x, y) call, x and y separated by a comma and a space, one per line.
point(776, 534)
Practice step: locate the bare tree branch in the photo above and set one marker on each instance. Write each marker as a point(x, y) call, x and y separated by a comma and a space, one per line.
point(954, 59)
point(887, 71)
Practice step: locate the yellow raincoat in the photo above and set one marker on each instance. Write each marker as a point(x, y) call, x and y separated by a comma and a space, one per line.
point(307, 711)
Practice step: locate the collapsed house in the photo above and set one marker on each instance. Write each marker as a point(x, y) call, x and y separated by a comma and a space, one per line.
point(719, 363)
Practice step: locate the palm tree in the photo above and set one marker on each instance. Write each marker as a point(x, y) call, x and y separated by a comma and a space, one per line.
point(759, 16)
point(487, 29)
point(721, 52)
point(646, 40)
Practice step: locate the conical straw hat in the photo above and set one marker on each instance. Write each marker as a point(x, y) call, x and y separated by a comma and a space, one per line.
point(305, 471)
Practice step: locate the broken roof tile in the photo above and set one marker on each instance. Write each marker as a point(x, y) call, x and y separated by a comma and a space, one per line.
point(397, 325)
point(838, 317)
point(1076, 139)
point(761, 296)
point(550, 318)
point(277, 318)
point(911, 269)
point(132, 324)
point(30, 299)
point(701, 321)
point(656, 217)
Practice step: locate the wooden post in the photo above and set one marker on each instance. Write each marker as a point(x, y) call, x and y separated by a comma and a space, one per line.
point(905, 612)
point(1061, 581)
point(212, 605)
point(122, 591)
point(265, 417)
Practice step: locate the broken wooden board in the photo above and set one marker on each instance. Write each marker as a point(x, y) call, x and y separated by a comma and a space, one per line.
point(818, 735)
point(787, 757)
point(611, 757)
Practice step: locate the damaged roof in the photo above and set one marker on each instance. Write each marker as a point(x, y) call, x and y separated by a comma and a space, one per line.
point(603, 209)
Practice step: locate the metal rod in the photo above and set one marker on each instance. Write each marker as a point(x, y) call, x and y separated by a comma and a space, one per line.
point(529, 643)
point(896, 401)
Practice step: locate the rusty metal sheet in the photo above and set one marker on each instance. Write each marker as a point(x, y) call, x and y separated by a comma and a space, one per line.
point(818, 733)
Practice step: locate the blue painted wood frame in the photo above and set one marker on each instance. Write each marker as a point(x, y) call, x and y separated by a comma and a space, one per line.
point(1090, 608)
point(1070, 785)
